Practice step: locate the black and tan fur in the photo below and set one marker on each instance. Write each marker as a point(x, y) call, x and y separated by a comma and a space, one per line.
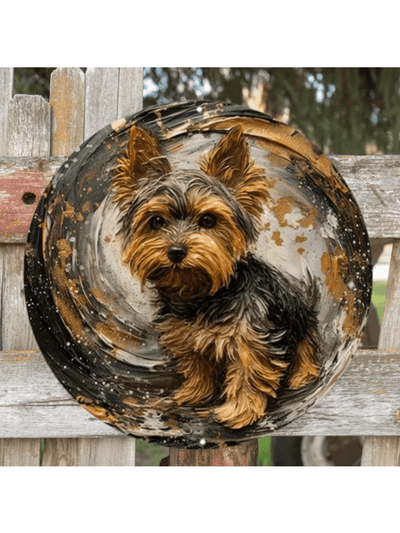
point(238, 330)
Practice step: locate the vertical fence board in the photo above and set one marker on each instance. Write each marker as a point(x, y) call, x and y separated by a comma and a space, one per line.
point(29, 123)
point(107, 451)
point(16, 330)
point(28, 126)
point(130, 94)
point(385, 451)
point(103, 93)
point(19, 452)
point(101, 102)
point(67, 100)
point(6, 87)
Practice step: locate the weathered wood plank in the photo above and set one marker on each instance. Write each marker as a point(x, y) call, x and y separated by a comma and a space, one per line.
point(364, 401)
point(16, 330)
point(20, 452)
point(381, 451)
point(29, 126)
point(29, 123)
point(242, 455)
point(380, 175)
point(130, 93)
point(67, 99)
point(101, 103)
point(22, 182)
point(6, 88)
point(375, 183)
point(108, 451)
point(386, 451)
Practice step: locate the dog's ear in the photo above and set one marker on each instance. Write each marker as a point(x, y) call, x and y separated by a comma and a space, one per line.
point(229, 162)
point(142, 159)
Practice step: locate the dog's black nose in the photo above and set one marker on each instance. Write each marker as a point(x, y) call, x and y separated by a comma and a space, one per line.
point(177, 253)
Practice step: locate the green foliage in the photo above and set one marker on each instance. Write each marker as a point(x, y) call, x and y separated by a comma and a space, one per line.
point(264, 451)
point(378, 297)
point(339, 109)
point(32, 81)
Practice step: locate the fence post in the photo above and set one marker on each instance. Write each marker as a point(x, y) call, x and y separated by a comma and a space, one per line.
point(242, 455)
point(385, 451)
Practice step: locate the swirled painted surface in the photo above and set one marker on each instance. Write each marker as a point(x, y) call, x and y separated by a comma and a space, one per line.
point(98, 323)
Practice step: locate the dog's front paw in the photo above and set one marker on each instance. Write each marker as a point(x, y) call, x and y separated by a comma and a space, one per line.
point(241, 411)
point(195, 391)
point(306, 367)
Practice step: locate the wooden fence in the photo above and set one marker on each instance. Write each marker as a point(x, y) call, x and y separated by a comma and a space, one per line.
point(35, 138)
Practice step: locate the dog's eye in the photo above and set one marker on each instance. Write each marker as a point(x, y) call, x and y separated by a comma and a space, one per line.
point(207, 221)
point(158, 222)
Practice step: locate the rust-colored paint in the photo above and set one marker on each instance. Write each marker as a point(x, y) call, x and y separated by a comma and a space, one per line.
point(64, 250)
point(98, 412)
point(120, 339)
point(300, 238)
point(333, 267)
point(283, 207)
point(281, 135)
point(276, 237)
point(300, 251)
point(67, 212)
point(86, 207)
point(310, 219)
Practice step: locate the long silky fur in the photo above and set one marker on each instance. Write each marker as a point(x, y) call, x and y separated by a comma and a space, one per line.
point(236, 327)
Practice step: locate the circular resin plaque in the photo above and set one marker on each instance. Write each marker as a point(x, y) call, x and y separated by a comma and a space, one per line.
point(197, 274)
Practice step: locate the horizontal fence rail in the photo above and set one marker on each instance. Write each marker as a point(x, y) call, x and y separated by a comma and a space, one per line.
point(374, 181)
point(364, 401)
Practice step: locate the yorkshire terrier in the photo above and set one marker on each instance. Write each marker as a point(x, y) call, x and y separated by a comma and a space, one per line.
point(237, 328)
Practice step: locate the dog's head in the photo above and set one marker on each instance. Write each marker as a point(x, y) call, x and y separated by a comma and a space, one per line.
point(185, 230)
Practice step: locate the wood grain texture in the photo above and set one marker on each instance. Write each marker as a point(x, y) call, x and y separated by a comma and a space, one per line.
point(384, 451)
point(242, 455)
point(364, 401)
point(377, 178)
point(29, 126)
point(6, 87)
point(22, 182)
point(130, 91)
point(67, 99)
point(19, 452)
point(16, 330)
point(108, 451)
point(381, 451)
point(375, 183)
point(101, 102)
point(29, 123)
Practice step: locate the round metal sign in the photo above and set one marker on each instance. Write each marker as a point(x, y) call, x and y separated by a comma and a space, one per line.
point(197, 274)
